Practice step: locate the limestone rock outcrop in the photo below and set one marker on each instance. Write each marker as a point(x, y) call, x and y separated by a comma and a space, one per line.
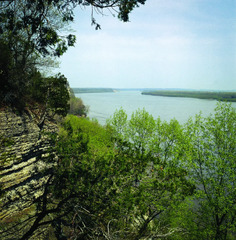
point(20, 177)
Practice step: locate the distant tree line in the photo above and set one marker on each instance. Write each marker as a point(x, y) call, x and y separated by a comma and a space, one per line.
point(92, 90)
point(216, 95)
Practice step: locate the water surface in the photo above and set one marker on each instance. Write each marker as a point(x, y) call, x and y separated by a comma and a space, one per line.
point(103, 105)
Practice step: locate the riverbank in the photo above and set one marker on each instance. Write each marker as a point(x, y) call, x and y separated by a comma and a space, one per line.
point(92, 90)
point(221, 96)
point(103, 105)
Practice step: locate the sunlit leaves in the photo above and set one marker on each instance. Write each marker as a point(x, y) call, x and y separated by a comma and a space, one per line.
point(148, 177)
point(211, 162)
point(154, 148)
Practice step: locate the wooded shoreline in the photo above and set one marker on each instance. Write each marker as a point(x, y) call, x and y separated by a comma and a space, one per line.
point(221, 96)
point(92, 90)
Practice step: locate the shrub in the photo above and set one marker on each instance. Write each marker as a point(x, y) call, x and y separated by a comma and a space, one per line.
point(77, 107)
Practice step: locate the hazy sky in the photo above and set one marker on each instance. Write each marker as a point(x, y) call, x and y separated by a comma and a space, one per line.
point(166, 44)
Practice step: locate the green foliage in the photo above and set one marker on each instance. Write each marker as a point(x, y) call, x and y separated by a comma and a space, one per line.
point(182, 219)
point(31, 27)
point(204, 152)
point(28, 30)
point(153, 148)
point(125, 7)
point(84, 171)
point(141, 178)
point(31, 30)
point(38, 88)
point(210, 160)
point(58, 94)
point(111, 184)
point(52, 93)
point(77, 107)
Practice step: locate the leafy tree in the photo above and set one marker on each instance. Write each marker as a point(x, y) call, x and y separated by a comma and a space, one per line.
point(58, 94)
point(106, 186)
point(79, 196)
point(31, 29)
point(159, 181)
point(49, 95)
point(77, 107)
point(132, 179)
point(212, 166)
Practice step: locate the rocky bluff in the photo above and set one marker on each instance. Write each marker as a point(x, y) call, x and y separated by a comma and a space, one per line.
point(21, 161)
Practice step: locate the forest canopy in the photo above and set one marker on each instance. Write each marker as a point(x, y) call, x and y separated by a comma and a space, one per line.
point(138, 178)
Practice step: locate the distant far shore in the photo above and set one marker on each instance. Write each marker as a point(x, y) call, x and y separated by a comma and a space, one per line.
point(221, 96)
point(92, 90)
point(214, 95)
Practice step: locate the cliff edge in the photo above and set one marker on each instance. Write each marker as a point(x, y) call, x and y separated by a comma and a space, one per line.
point(20, 178)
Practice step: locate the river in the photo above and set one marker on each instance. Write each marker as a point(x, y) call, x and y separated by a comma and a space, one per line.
point(103, 105)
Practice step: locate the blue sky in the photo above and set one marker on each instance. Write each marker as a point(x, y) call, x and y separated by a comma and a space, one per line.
point(166, 44)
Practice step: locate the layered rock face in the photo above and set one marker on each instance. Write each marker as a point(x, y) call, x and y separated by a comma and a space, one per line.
point(19, 175)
